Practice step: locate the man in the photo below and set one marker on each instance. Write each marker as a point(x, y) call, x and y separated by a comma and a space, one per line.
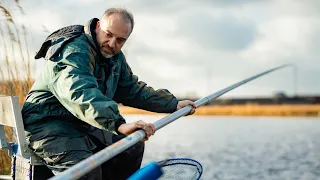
point(71, 111)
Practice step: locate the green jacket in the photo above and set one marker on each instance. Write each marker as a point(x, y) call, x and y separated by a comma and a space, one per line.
point(80, 88)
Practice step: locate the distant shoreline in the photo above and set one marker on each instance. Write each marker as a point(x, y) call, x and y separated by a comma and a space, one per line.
point(245, 110)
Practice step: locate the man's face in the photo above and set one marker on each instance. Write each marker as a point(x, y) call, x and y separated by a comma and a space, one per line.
point(112, 32)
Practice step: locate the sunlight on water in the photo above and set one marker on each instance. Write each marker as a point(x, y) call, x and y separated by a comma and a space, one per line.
point(240, 147)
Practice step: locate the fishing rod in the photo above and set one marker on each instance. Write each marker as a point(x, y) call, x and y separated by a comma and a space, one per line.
point(109, 152)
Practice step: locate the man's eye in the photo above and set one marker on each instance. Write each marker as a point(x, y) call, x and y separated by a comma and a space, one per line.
point(120, 41)
point(109, 35)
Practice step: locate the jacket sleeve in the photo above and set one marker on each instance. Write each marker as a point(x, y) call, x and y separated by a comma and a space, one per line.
point(131, 92)
point(76, 88)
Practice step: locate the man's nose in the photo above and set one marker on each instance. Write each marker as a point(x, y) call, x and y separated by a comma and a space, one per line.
point(112, 42)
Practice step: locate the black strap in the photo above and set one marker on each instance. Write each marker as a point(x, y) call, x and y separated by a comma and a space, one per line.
point(66, 33)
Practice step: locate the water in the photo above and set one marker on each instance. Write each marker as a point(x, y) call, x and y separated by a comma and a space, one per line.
point(240, 147)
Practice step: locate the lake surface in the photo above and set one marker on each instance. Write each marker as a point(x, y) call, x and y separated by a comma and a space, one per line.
point(240, 147)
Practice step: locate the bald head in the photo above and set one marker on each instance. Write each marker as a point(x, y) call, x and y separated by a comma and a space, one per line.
point(113, 30)
point(122, 13)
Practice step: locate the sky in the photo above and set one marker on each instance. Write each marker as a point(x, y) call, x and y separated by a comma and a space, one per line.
point(195, 48)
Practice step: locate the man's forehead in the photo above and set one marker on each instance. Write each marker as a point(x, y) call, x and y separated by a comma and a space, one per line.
point(116, 25)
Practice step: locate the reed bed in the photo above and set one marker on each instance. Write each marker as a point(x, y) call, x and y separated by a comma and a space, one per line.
point(245, 110)
point(15, 73)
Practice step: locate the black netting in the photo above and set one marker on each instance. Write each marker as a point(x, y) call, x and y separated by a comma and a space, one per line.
point(186, 169)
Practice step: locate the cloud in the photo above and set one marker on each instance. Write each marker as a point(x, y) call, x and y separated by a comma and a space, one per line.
point(226, 33)
point(280, 38)
point(203, 46)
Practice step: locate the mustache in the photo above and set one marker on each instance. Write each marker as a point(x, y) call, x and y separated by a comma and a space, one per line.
point(108, 48)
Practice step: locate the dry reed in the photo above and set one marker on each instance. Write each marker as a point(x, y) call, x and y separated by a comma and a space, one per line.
point(245, 110)
point(11, 82)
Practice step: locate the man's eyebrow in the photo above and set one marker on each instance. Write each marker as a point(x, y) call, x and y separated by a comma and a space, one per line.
point(123, 39)
point(109, 32)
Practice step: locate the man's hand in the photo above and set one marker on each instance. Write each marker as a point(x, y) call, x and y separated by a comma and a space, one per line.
point(129, 128)
point(182, 104)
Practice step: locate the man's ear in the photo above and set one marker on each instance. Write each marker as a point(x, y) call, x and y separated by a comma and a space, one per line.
point(98, 25)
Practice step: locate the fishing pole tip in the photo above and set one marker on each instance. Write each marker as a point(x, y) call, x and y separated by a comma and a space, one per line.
point(289, 64)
